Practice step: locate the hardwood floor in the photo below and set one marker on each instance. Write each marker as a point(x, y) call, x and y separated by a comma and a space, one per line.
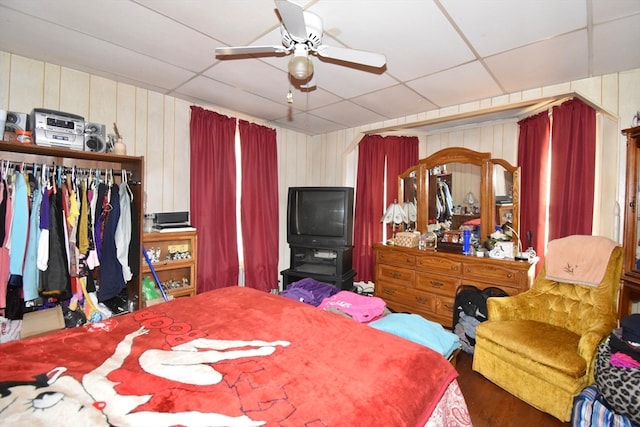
point(491, 406)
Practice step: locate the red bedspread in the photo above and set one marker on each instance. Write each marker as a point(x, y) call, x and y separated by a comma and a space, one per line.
point(231, 357)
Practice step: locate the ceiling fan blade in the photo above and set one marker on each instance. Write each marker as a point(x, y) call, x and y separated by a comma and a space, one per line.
point(370, 59)
point(249, 50)
point(293, 19)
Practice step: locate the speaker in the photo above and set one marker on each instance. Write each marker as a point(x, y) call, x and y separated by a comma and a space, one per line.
point(16, 121)
point(95, 137)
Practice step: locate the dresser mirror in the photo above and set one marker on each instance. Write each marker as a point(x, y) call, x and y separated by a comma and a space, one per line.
point(408, 195)
point(506, 192)
point(472, 184)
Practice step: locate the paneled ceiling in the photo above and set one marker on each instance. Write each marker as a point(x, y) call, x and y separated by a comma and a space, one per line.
point(439, 52)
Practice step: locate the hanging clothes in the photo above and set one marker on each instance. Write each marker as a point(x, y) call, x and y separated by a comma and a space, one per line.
point(55, 280)
point(5, 213)
point(123, 229)
point(18, 242)
point(30, 272)
point(111, 281)
point(444, 202)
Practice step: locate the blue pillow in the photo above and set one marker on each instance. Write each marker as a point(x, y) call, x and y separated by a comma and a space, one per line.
point(416, 328)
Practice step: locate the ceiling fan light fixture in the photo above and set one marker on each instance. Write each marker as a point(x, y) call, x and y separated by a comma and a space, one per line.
point(300, 66)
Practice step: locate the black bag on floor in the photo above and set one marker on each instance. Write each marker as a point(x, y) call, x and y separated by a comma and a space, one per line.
point(470, 309)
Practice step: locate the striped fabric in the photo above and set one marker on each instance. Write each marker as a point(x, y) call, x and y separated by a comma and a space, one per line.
point(589, 411)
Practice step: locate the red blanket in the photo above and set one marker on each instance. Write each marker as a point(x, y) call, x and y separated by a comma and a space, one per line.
point(231, 357)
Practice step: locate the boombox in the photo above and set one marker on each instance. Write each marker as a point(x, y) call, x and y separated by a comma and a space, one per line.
point(95, 137)
point(57, 129)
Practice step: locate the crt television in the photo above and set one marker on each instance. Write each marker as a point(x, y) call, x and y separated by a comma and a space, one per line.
point(320, 216)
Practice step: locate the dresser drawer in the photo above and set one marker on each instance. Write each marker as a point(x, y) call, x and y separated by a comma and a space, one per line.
point(392, 274)
point(396, 258)
point(434, 262)
point(491, 273)
point(440, 284)
point(444, 307)
point(410, 298)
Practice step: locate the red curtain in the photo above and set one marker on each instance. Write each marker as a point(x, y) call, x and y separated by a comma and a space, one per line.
point(368, 205)
point(213, 196)
point(259, 205)
point(573, 157)
point(533, 152)
point(400, 153)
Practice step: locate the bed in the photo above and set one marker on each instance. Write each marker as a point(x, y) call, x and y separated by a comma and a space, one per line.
point(229, 357)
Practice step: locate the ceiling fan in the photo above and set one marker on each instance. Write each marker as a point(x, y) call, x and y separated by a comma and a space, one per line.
point(301, 35)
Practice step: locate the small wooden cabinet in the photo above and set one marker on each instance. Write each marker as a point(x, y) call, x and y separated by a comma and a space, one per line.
point(630, 291)
point(425, 282)
point(176, 261)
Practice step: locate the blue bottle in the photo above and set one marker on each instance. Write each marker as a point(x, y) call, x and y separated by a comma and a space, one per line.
point(466, 241)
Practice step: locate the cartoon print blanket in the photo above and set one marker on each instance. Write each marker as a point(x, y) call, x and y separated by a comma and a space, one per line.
point(230, 357)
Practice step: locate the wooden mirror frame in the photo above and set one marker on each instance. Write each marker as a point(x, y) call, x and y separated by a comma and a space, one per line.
point(487, 204)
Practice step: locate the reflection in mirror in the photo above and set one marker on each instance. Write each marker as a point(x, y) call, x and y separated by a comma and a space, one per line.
point(454, 195)
point(503, 190)
point(506, 191)
point(408, 195)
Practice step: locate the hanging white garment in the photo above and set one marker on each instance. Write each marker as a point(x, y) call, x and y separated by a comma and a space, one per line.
point(123, 229)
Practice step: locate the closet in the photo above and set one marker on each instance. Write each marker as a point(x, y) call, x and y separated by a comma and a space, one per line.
point(28, 156)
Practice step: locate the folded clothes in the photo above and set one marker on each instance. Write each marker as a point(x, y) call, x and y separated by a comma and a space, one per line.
point(621, 360)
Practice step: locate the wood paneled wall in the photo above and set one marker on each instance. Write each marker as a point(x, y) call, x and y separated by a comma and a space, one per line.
point(156, 126)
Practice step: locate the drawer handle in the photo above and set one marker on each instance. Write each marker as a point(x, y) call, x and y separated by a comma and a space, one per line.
point(468, 269)
point(436, 284)
point(421, 300)
point(449, 307)
point(509, 275)
point(389, 291)
point(453, 267)
point(396, 275)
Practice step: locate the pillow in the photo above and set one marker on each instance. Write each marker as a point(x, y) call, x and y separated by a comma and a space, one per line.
point(416, 328)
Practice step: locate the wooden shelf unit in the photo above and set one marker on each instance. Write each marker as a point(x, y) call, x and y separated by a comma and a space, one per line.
point(630, 290)
point(182, 272)
point(30, 154)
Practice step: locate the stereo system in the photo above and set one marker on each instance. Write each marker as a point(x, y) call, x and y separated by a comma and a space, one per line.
point(57, 129)
point(95, 137)
point(52, 128)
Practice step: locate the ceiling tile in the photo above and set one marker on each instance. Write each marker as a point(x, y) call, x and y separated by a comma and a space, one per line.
point(493, 26)
point(625, 36)
point(607, 10)
point(147, 33)
point(348, 114)
point(309, 124)
point(232, 98)
point(393, 102)
point(557, 60)
point(236, 22)
point(462, 84)
point(45, 41)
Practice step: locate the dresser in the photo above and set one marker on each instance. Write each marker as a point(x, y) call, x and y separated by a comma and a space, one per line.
point(425, 282)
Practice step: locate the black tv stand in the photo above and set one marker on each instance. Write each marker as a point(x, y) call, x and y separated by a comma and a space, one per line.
point(331, 265)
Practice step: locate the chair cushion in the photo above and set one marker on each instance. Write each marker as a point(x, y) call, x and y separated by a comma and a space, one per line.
point(543, 343)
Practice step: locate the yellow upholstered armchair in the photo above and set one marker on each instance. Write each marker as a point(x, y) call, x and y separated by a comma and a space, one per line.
point(540, 345)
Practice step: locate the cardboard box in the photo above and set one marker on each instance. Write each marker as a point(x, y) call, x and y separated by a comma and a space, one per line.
point(149, 303)
point(42, 321)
